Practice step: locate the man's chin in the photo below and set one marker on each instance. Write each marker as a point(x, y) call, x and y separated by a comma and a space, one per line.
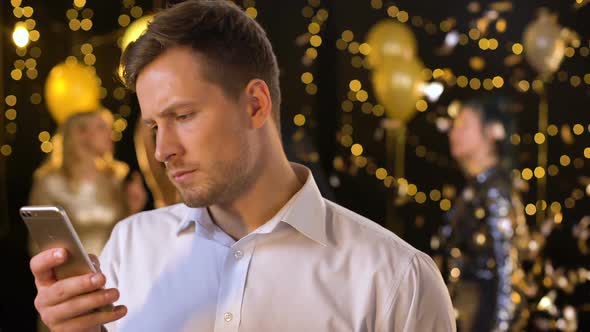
point(194, 201)
point(457, 154)
point(195, 205)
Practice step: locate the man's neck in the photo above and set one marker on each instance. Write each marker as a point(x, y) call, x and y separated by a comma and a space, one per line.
point(479, 164)
point(265, 197)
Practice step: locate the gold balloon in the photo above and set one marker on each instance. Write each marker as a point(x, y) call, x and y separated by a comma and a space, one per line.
point(70, 88)
point(389, 38)
point(397, 85)
point(544, 45)
point(135, 30)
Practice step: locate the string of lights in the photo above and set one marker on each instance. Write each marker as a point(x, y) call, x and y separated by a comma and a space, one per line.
point(311, 40)
point(24, 37)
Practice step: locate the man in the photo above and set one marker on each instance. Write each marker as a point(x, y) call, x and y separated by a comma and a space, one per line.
point(487, 225)
point(256, 247)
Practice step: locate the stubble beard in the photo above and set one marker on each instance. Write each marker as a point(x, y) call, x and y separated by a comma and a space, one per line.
point(225, 182)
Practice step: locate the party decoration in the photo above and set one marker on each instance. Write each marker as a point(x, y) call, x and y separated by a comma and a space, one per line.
point(397, 82)
point(20, 35)
point(396, 72)
point(544, 44)
point(398, 85)
point(390, 39)
point(70, 88)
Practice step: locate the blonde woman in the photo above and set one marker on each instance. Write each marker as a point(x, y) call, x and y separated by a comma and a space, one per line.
point(82, 176)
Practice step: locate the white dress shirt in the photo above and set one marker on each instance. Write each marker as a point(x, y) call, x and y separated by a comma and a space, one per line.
point(315, 266)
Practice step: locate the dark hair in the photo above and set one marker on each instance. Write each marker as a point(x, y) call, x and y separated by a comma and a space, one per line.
point(235, 47)
point(492, 109)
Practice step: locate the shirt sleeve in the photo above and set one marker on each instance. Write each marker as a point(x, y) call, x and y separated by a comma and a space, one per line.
point(501, 231)
point(109, 265)
point(421, 301)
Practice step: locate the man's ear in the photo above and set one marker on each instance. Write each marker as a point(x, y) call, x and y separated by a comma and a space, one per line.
point(496, 131)
point(258, 102)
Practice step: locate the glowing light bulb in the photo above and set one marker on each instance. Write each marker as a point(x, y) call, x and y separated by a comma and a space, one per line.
point(433, 90)
point(20, 36)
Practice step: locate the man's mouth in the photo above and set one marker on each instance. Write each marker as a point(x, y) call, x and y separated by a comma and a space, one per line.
point(181, 176)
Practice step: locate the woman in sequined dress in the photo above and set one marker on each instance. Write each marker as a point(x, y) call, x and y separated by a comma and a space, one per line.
point(82, 177)
point(486, 226)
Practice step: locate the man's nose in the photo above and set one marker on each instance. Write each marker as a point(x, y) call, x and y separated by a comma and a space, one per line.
point(167, 145)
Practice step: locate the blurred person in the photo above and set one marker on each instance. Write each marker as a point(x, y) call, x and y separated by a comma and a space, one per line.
point(481, 244)
point(81, 176)
point(254, 247)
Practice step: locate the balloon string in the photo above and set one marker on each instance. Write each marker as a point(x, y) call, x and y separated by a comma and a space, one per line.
point(542, 156)
point(400, 151)
point(395, 145)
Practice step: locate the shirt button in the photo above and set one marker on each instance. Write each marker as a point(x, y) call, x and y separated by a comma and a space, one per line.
point(238, 254)
point(228, 316)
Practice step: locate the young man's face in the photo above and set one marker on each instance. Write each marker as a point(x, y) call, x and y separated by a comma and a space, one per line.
point(467, 135)
point(202, 135)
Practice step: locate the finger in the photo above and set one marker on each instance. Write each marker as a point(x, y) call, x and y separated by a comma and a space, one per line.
point(43, 263)
point(81, 305)
point(95, 262)
point(93, 320)
point(65, 289)
point(136, 177)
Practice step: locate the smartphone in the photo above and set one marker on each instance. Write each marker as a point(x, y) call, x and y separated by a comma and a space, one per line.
point(50, 228)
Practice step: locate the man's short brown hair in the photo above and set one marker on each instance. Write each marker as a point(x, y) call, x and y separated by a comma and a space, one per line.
point(234, 46)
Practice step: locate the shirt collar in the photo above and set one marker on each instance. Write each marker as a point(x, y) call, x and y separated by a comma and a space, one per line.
point(305, 211)
point(188, 223)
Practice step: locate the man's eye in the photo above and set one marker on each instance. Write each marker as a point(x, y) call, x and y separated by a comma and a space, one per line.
point(183, 117)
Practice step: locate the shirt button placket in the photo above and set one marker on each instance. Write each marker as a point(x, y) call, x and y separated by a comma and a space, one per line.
point(232, 289)
point(228, 317)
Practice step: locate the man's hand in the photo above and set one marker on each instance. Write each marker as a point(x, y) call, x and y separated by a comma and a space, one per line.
point(69, 304)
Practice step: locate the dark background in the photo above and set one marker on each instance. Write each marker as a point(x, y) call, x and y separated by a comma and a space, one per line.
point(316, 143)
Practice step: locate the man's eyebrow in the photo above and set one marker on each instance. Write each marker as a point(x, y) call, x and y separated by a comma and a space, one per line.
point(169, 110)
point(148, 121)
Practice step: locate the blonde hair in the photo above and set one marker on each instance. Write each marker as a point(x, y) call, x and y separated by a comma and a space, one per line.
point(65, 156)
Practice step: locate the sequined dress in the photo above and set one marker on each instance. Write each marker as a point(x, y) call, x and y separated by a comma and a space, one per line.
point(94, 208)
point(481, 256)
